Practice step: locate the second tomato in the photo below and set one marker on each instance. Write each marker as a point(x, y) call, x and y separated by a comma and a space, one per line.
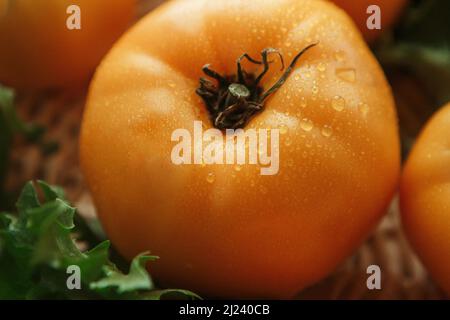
point(37, 50)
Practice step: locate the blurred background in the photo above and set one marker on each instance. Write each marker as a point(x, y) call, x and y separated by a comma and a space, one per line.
point(39, 132)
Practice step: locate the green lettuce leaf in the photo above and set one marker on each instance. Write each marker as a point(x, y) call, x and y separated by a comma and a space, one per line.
point(37, 247)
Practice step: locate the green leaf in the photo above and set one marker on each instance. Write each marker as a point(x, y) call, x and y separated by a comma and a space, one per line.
point(37, 247)
point(136, 279)
point(6, 96)
point(51, 192)
point(28, 199)
point(12, 121)
point(92, 262)
point(171, 294)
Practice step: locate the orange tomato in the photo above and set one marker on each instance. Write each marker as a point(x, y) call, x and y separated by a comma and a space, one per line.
point(37, 50)
point(227, 230)
point(357, 9)
point(425, 197)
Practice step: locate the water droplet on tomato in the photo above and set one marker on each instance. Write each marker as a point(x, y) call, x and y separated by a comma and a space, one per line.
point(364, 108)
point(306, 124)
point(303, 103)
point(326, 131)
point(321, 67)
point(211, 177)
point(338, 103)
point(287, 142)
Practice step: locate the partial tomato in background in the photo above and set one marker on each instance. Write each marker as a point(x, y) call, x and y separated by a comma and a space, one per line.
point(37, 50)
point(357, 9)
point(226, 230)
point(3, 6)
point(425, 197)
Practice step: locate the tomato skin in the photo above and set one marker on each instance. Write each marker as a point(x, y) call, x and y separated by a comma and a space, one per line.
point(38, 51)
point(242, 235)
point(425, 197)
point(390, 12)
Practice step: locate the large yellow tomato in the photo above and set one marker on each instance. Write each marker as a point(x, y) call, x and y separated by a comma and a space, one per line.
point(357, 9)
point(37, 50)
point(425, 197)
point(226, 230)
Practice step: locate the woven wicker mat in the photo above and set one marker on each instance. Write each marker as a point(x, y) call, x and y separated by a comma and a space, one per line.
point(403, 276)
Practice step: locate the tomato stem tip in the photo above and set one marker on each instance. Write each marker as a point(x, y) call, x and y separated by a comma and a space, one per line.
point(233, 100)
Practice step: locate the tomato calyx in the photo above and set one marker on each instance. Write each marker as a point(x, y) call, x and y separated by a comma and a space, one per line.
point(237, 98)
